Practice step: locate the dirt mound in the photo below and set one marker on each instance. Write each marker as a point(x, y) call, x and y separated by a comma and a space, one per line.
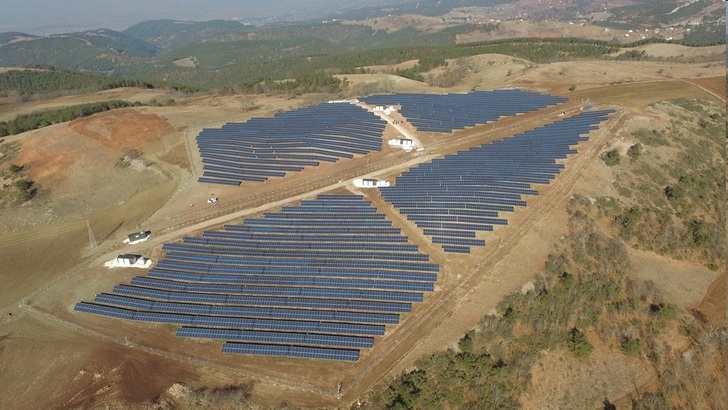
point(119, 129)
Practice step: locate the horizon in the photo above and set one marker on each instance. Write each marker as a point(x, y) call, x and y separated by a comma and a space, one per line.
point(45, 17)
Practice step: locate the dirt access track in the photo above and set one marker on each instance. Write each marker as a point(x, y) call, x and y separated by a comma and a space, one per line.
point(101, 359)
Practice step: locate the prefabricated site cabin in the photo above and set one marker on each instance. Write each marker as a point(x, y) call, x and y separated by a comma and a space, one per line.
point(127, 259)
point(136, 237)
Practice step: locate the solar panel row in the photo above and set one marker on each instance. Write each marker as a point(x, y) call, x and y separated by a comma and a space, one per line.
point(448, 112)
point(453, 197)
point(232, 322)
point(209, 298)
point(291, 351)
point(288, 142)
point(277, 337)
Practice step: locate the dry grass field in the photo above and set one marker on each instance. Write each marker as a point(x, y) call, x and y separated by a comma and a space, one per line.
point(53, 357)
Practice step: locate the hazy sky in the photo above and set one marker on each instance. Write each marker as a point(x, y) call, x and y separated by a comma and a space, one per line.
point(57, 16)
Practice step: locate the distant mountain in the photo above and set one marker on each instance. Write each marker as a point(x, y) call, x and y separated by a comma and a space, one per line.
point(100, 51)
point(14, 36)
point(667, 12)
point(222, 53)
point(45, 17)
point(167, 34)
point(430, 8)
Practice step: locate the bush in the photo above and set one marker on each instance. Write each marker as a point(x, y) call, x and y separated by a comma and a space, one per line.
point(579, 344)
point(26, 188)
point(630, 346)
point(611, 157)
point(635, 150)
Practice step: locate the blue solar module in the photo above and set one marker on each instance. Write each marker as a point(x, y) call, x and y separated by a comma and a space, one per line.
point(210, 180)
point(315, 292)
point(291, 351)
point(447, 112)
point(247, 311)
point(263, 245)
point(453, 197)
point(277, 337)
point(324, 132)
point(311, 253)
point(290, 280)
point(232, 322)
point(456, 249)
point(355, 305)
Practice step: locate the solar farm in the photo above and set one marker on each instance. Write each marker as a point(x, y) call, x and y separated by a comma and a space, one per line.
point(265, 148)
point(333, 276)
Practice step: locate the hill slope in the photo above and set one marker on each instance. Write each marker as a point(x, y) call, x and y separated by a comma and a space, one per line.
point(167, 34)
point(100, 50)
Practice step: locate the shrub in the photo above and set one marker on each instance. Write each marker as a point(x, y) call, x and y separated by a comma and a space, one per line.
point(611, 157)
point(26, 188)
point(635, 150)
point(630, 345)
point(579, 344)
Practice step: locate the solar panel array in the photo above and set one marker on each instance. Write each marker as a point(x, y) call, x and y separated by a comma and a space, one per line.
point(317, 280)
point(448, 112)
point(262, 148)
point(454, 197)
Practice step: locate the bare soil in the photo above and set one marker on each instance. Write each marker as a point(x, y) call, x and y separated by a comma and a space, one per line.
point(683, 283)
point(561, 380)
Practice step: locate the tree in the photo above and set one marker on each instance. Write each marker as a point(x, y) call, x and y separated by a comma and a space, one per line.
point(578, 343)
point(635, 150)
point(611, 157)
point(26, 188)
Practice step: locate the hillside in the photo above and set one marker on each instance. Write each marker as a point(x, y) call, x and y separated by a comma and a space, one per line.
point(99, 51)
point(167, 34)
point(425, 8)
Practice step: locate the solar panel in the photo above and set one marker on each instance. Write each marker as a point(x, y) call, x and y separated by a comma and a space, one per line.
point(291, 351)
point(277, 337)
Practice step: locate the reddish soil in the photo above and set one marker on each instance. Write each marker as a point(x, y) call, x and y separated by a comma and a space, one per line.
point(120, 129)
point(716, 85)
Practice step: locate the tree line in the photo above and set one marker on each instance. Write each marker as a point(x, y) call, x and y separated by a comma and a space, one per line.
point(28, 122)
point(49, 79)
